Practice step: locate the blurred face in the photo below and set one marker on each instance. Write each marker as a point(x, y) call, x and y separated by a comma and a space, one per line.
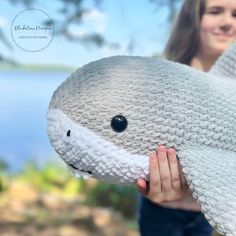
point(218, 26)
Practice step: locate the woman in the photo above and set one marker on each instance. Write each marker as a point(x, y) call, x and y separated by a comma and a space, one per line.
point(204, 29)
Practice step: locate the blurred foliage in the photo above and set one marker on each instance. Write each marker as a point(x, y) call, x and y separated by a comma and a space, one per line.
point(4, 181)
point(56, 179)
point(3, 177)
point(3, 166)
point(119, 197)
point(72, 13)
point(172, 5)
point(51, 178)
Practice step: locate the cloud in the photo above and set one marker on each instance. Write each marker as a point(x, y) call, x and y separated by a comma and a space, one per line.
point(93, 21)
point(96, 18)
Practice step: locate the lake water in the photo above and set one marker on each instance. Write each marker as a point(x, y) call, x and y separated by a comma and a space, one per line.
point(24, 99)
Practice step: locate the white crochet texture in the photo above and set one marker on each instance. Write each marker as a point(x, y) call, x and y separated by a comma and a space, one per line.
point(212, 180)
point(122, 166)
point(164, 103)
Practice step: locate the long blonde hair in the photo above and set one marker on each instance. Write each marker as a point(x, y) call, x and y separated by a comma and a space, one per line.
point(184, 40)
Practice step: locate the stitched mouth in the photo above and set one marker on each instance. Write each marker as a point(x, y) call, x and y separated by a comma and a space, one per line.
point(86, 171)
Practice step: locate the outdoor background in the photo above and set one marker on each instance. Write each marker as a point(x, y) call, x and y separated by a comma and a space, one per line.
point(38, 195)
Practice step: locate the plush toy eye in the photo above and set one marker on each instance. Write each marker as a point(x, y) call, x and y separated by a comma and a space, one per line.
point(119, 123)
point(68, 133)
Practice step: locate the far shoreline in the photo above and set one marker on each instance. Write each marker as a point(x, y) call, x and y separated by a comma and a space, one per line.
point(36, 67)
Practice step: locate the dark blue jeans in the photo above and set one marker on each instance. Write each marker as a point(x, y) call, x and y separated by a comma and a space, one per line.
point(155, 220)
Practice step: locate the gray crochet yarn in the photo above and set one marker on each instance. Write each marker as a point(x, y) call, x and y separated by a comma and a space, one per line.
point(163, 103)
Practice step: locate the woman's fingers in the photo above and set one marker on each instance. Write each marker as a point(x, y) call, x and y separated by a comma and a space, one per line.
point(174, 169)
point(142, 186)
point(165, 175)
point(155, 181)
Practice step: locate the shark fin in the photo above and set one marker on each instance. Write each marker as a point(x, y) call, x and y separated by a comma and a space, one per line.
point(211, 175)
point(225, 66)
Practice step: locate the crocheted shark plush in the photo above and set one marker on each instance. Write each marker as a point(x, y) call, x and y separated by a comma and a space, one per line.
point(106, 117)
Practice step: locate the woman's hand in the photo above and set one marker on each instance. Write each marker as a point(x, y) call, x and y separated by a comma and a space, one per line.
point(166, 180)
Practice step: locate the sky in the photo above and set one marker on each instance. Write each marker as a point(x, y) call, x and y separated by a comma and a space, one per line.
point(25, 100)
point(118, 20)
